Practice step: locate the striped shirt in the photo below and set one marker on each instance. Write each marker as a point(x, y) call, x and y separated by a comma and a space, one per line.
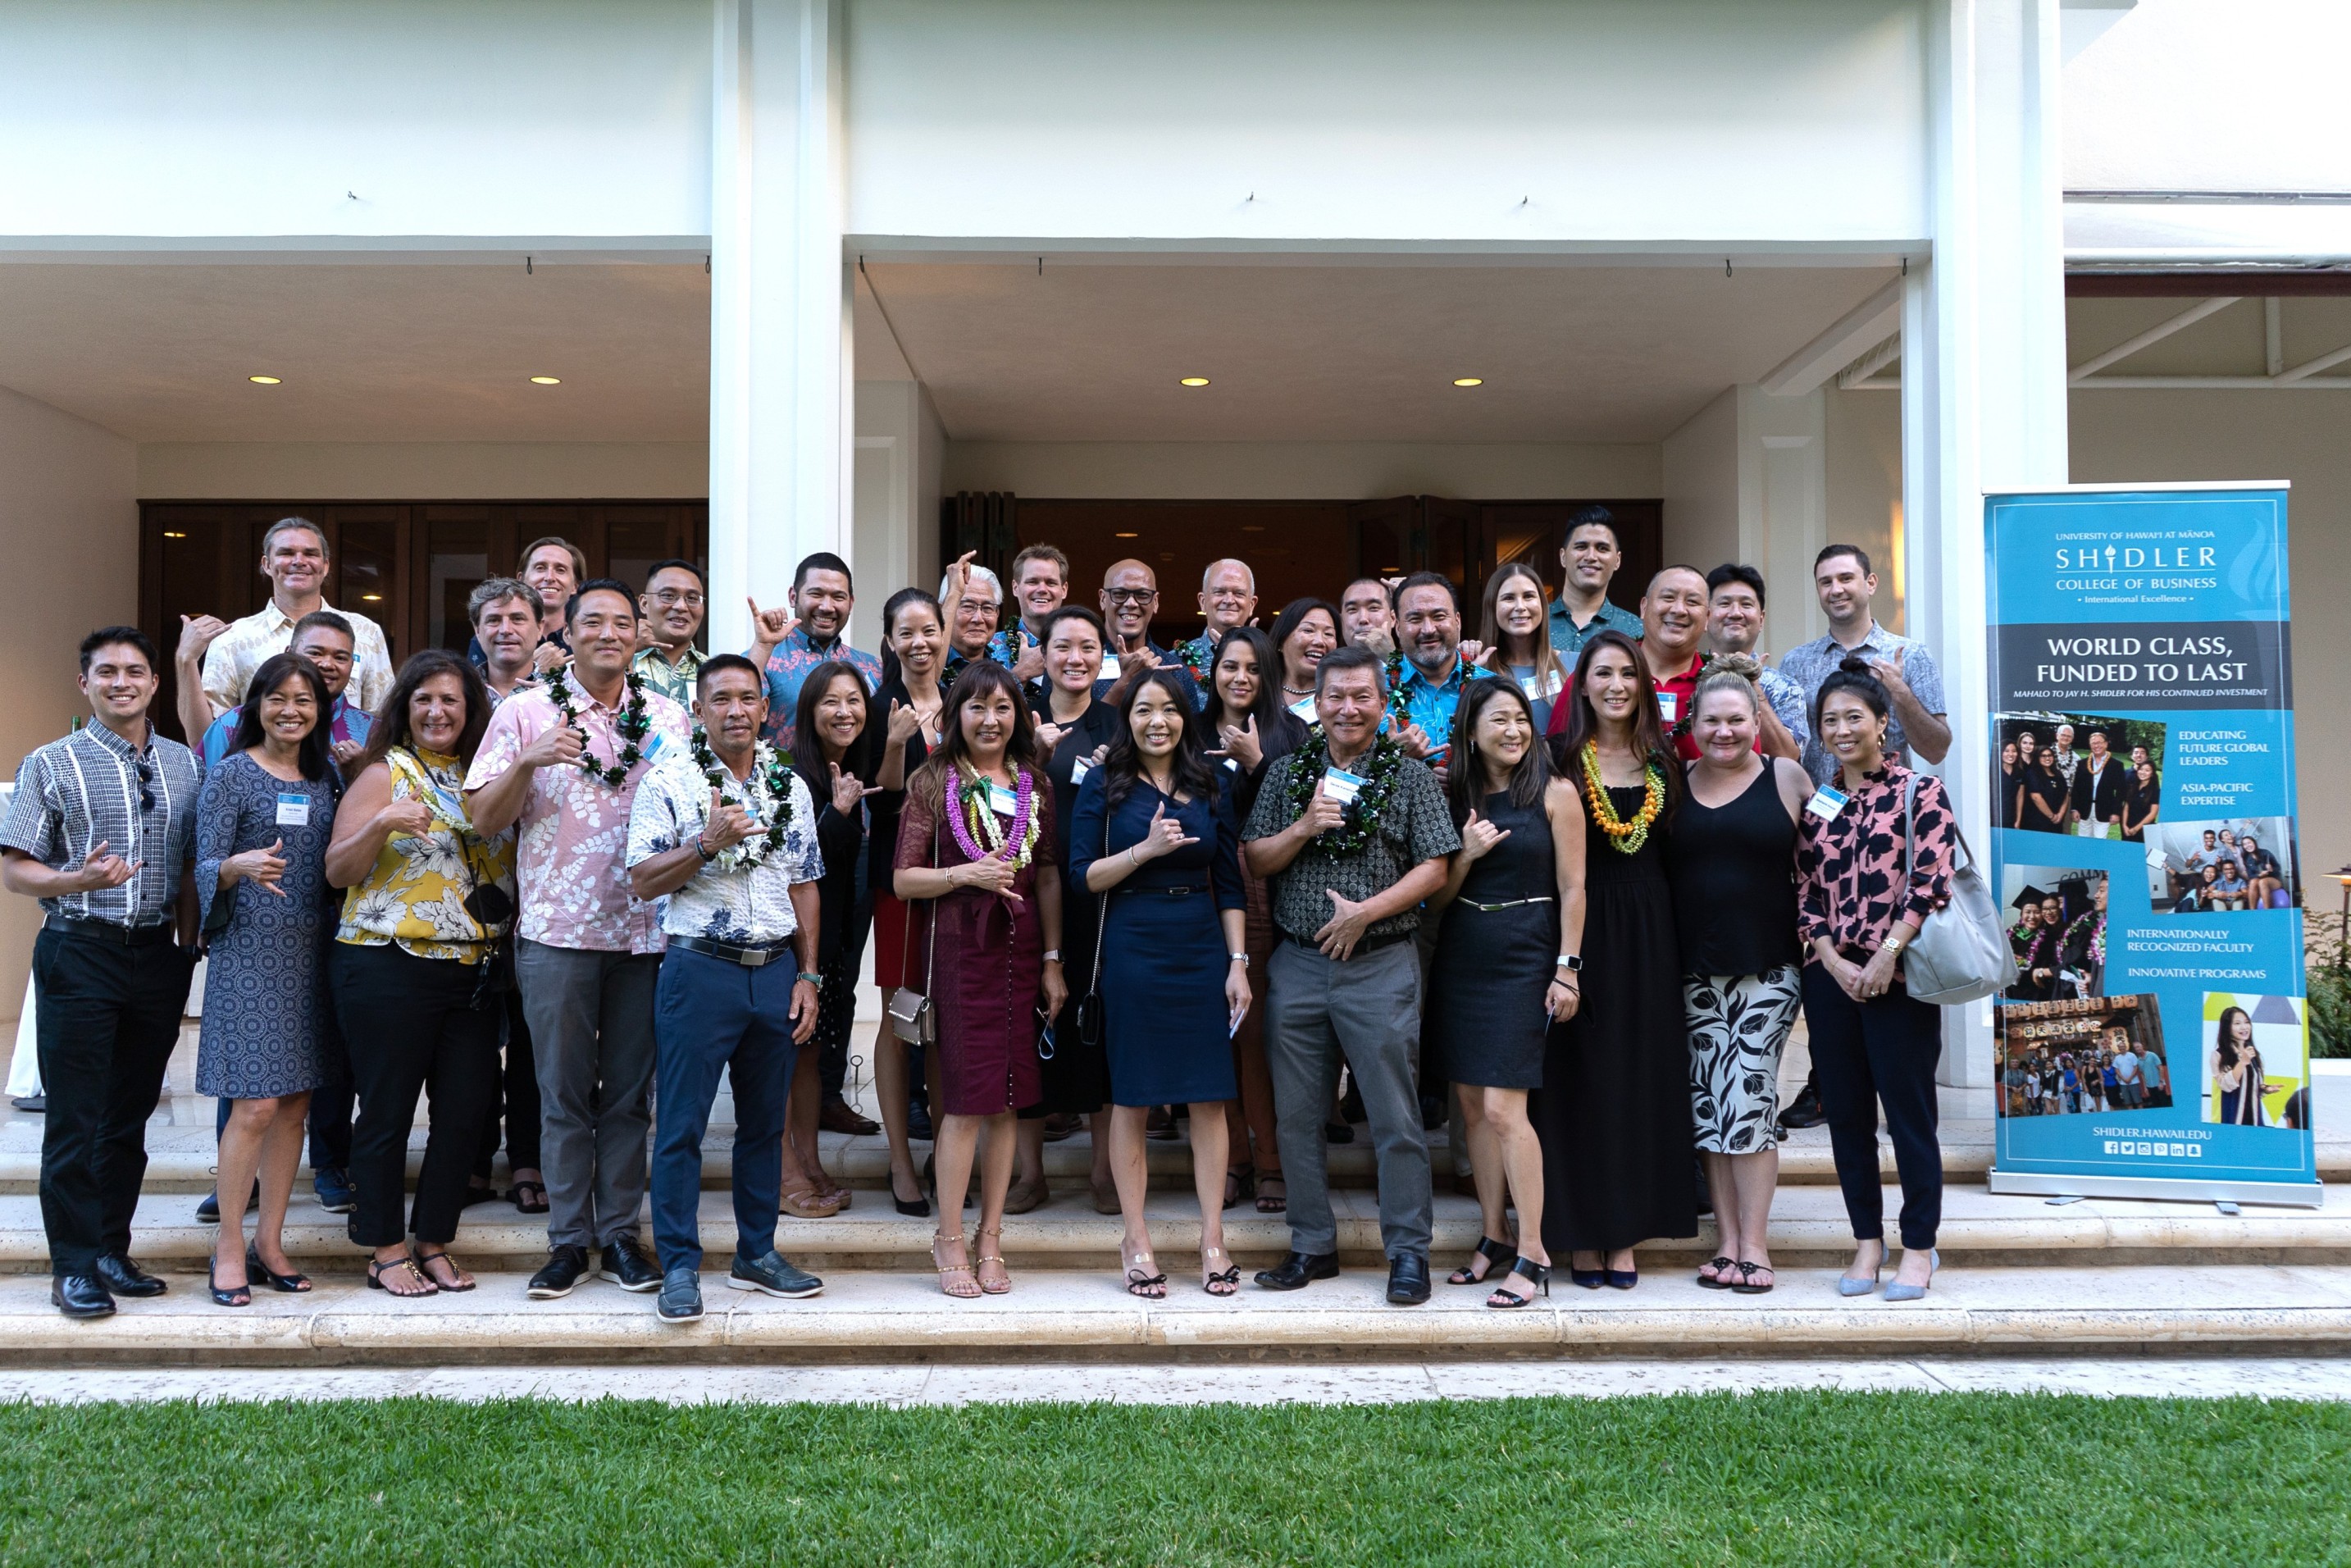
point(77, 793)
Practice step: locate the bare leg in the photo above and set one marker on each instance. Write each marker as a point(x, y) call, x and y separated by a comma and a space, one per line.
point(1719, 1181)
point(1504, 1113)
point(1209, 1143)
point(1098, 1134)
point(249, 1122)
point(1129, 1168)
point(996, 1180)
point(281, 1153)
point(1477, 1130)
point(956, 1149)
point(1028, 1157)
point(889, 1084)
point(1754, 1177)
point(803, 1163)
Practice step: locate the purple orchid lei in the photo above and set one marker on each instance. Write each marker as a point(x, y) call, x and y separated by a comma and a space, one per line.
point(1015, 845)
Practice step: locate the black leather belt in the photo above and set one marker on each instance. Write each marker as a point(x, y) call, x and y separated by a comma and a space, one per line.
point(1368, 944)
point(1169, 892)
point(749, 957)
point(107, 931)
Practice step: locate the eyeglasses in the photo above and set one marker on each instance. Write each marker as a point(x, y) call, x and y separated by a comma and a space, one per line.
point(1130, 595)
point(146, 783)
point(669, 596)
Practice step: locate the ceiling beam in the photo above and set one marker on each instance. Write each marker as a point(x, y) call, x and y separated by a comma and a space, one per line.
point(2155, 334)
point(1861, 329)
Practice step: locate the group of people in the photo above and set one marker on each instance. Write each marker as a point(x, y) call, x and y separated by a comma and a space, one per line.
point(2048, 787)
point(2110, 1075)
point(2229, 871)
point(2060, 940)
point(1582, 870)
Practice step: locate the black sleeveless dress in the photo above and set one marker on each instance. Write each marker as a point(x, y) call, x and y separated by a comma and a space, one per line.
point(1486, 1022)
point(1614, 1112)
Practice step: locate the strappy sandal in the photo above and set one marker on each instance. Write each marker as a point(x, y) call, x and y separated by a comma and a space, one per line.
point(808, 1204)
point(972, 1292)
point(1272, 1202)
point(1498, 1255)
point(997, 1259)
point(459, 1281)
point(1224, 1282)
point(376, 1271)
point(1536, 1275)
point(289, 1283)
point(1149, 1287)
point(1239, 1184)
point(1715, 1281)
point(530, 1197)
point(1747, 1285)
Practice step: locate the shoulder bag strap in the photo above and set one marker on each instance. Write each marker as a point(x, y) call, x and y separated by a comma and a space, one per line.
point(1093, 986)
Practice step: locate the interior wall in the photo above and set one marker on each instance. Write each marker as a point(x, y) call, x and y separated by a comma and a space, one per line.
point(894, 499)
point(69, 525)
point(1863, 430)
point(1295, 471)
point(2123, 437)
point(425, 470)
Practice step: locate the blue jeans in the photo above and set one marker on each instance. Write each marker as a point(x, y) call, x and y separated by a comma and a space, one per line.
point(710, 1014)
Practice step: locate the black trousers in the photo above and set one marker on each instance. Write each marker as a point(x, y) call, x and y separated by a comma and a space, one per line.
point(108, 1018)
point(410, 1023)
point(1882, 1052)
point(514, 1098)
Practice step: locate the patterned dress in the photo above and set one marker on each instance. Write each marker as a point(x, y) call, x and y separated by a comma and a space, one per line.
point(265, 1002)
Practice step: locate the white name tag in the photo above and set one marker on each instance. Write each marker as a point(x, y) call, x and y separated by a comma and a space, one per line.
point(1079, 768)
point(1669, 708)
point(293, 810)
point(1111, 668)
point(1826, 803)
point(652, 747)
point(1537, 689)
point(1305, 708)
point(1233, 765)
point(1343, 786)
point(1001, 800)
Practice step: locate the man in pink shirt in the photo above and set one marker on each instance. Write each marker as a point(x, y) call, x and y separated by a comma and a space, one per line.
point(564, 759)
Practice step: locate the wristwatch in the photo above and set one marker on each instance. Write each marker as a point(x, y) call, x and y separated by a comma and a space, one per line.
point(703, 849)
point(1572, 962)
point(811, 979)
point(1240, 958)
point(1892, 943)
point(1052, 955)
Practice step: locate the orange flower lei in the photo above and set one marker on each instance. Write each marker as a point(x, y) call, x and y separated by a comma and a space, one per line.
point(1623, 837)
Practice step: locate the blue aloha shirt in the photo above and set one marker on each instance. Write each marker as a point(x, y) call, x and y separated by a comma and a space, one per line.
point(1430, 704)
point(788, 671)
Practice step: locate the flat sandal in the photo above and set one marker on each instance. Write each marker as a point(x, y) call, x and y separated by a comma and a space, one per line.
point(422, 1258)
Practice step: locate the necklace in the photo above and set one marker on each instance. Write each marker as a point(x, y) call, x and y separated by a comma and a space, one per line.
point(1623, 837)
point(631, 723)
point(768, 790)
point(973, 821)
point(1379, 767)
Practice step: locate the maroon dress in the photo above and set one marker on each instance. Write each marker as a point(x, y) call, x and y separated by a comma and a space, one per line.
point(991, 964)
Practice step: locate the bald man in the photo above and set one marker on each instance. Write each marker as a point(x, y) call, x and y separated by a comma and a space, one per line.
point(1674, 616)
point(1130, 599)
point(1227, 599)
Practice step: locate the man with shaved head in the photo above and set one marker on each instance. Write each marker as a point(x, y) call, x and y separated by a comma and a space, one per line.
point(1227, 599)
point(1130, 597)
point(1673, 627)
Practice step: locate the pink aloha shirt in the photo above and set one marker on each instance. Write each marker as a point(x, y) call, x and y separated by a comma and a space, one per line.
point(572, 856)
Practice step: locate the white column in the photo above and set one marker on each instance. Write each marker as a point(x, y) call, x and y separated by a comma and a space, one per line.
point(1983, 373)
point(779, 304)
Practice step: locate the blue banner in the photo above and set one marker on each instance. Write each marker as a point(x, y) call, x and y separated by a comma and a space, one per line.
point(2143, 847)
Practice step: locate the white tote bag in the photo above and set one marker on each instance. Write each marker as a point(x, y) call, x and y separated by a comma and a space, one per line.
point(1962, 953)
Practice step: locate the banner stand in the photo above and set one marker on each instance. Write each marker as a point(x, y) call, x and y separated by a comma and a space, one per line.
point(2041, 1184)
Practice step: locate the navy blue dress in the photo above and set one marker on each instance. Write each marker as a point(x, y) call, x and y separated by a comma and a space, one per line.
point(1164, 953)
point(266, 1008)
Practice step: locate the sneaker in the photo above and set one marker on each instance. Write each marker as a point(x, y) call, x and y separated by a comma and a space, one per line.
point(208, 1211)
point(681, 1296)
point(1804, 1110)
point(773, 1276)
point(336, 1193)
point(565, 1268)
point(628, 1267)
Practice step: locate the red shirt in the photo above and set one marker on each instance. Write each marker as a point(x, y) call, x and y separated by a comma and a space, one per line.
point(1673, 706)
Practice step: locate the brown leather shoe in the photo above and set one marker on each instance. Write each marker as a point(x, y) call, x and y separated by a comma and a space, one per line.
point(840, 1116)
point(1024, 1196)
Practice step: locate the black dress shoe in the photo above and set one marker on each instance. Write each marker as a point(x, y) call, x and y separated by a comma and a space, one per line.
point(1300, 1270)
point(121, 1277)
point(565, 1267)
point(630, 1268)
point(82, 1296)
point(1409, 1278)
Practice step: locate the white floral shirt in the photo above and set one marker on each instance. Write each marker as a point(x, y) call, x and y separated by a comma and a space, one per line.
point(574, 829)
point(724, 902)
point(247, 644)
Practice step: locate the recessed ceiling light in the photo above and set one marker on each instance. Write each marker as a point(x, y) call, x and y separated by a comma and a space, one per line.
point(262, 381)
point(1126, 536)
point(170, 534)
point(547, 380)
point(1195, 380)
point(1468, 380)
point(1252, 528)
point(372, 598)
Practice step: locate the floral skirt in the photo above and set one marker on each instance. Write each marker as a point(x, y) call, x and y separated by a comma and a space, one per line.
point(1738, 1026)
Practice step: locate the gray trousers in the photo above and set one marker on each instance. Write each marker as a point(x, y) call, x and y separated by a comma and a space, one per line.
point(1365, 1013)
point(591, 1029)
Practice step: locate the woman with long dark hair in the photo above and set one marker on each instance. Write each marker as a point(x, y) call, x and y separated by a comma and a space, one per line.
point(2046, 794)
point(1303, 633)
point(976, 844)
point(2142, 800)
point(2237, 1070)
point(908, 712)
point(418, 983)
point(2010, 793)
point(1154, 835)
point(1252, 728)
point(832, 752)
point(1614, 1112)
point(262, 825)
point(1502, 976)
point(1861, 900)
point(1516, 630)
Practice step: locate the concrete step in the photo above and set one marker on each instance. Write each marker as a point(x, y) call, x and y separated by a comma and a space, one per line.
point(1808, 1228)
point(1064, 1316)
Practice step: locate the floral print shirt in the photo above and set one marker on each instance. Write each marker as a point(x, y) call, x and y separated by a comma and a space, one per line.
point(415, 894)
point(1851, 888)
point(723, 901)
point(574, 829)
point(788, 670)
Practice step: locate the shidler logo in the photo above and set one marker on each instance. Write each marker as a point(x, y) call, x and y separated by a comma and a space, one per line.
point(2139, 558)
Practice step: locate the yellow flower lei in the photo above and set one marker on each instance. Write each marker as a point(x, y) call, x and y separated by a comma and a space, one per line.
point(1623, 837)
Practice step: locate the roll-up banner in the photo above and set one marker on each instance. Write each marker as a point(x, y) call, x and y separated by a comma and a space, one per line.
point(2157, 1042)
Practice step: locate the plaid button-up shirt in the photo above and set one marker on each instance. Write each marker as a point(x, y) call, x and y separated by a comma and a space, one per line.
point(93, 788)
point(1415, 825)
point(248, 643)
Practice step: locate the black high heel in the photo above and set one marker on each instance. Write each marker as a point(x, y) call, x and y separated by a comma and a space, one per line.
point(1536, 1276)
point(1498, 1255)
point(916, 1208)
point(291, 1285)
point(235, 1296)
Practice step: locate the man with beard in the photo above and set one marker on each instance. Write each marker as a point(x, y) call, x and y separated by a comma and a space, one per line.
point(787, 643)
point(672, 606)
point(1430, 675)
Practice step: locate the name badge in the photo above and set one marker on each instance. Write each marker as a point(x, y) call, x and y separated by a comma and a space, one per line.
point(1305, 708)
point(1537, 689)
point(651, 746)
point(1343, 786)
point(1826, 803)
point(293, 810)
point(1079, 768)
point(1233, 765)
point(1669, 708)
point(1001, 800)
point(1111, 668)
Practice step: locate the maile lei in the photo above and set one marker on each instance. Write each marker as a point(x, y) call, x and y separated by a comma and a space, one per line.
point(1198, 657)
point(766, 792)
point(973, 821)
point(1623, 837)
point(633, 724)
point(1378, 768)
point(1400, 708)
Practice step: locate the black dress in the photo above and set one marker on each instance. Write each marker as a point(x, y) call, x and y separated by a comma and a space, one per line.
point(1077, 1075)
point(1614, 1112)
point(1495, 957)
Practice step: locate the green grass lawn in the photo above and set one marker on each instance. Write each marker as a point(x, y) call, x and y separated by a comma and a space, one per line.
point(1809, 1477)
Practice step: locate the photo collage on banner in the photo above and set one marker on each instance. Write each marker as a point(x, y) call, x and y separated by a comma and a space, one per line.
point(2155, 1041)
